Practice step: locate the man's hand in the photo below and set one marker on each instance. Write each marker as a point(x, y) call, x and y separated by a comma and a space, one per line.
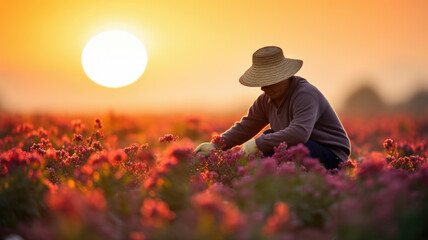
point(205, 148)
point(250, 147)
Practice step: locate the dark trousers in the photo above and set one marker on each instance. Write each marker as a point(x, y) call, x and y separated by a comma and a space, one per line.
point(326, 157)
point(317, 150)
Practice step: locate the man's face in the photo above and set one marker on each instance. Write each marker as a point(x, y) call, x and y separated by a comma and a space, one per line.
point(276, 91)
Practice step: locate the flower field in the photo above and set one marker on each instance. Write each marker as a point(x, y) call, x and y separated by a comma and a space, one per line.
point(122, 177)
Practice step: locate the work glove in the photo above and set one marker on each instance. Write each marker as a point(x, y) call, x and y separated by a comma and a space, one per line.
point(250, 147)
point(205, 148)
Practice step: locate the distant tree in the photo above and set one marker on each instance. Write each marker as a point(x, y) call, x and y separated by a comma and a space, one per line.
point(365, 100)
point(417, 104)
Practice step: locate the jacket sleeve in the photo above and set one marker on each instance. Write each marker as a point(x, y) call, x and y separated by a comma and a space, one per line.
point(255, 120)
point(305, 112)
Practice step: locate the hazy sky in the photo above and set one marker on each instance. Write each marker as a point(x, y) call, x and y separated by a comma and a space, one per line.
point(197, 50)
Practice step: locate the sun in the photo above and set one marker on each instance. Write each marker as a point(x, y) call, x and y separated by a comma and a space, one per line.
point(114, 58)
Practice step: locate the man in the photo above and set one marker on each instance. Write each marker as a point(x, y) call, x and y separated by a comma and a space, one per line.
point(296, 111)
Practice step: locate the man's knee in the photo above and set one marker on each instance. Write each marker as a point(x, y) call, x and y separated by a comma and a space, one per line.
point(325, 156)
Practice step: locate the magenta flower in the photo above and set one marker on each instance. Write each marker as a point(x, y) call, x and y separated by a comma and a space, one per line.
point(287, 169)
point(410, 163)
point(346, 165)
point(268, 167)
point(117, 156)
point(181, 154)
point(371, 166)
point(97, 146)
point(23, 128)
point(277, 222)
point(299, 152)
point(155, 213)
point(98, 124)
point(218, 142)
point(168, 138)
point(77, 138)
point(132, 149)
point(42, 133)
point(281, 153)
point(390, 147)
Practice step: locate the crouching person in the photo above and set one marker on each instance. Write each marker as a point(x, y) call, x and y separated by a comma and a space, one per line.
point(295, 109)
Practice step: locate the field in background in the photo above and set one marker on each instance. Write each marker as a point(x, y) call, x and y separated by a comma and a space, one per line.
point(135, 177)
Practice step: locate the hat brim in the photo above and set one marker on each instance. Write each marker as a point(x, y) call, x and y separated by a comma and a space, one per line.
point(268, 75)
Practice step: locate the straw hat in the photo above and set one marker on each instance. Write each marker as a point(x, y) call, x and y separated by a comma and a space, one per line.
point(269, 67)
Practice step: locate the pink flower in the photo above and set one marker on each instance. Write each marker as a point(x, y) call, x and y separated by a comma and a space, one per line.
point(299, 152)
point(277, 221)
point(247, 180)
point(98, 135)
point(97, 159)
point(410, 163)
point(223, 213)
point(23, 128)
point(7, 142)
point(281, 153)
point(75, 205)
point(77, 138)
point(75, 160)
point(151, 181)
point(168, 138)
point(36, 146)
point(181, 154)
point(313, 164)
point(146, 156)
point(218, 142)
point(155, 213)
point(347, 164)
point(208, 201)
point(117, 156)
point(16, 158)
point(87, 170)
point(61, 154)
point(137, 236)
point(197, 182)
point(242, 170)
point(76, 125)
point(97, 146)
point(65, 201)
point(132, 149)
point(372, 165)
point(286, 169)
point(268, 167)
point(390, 146)
point(231, 156)
point(98, 124)
point(42, 133)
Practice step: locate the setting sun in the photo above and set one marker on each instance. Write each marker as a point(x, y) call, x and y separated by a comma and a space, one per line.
point(264, 119)
point(114, 58)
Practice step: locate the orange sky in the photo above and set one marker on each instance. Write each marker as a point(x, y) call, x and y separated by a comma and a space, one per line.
point(197, 50)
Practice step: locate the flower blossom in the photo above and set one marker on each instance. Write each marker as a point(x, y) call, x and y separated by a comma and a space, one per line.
point(168, 138)
point(155, 213)
point(277, 221)
point(98, 124)
point(218, 142)
point(281, 153)
point(390, 146)
point(77, 138)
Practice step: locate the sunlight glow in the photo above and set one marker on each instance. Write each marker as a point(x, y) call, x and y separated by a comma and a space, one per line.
point(114, 58)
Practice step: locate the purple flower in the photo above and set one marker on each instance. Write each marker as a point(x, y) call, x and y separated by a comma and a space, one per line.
point(218, 142)
point(98, 124)
point(281, 153)
point(268, 167)
point(168, 138)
